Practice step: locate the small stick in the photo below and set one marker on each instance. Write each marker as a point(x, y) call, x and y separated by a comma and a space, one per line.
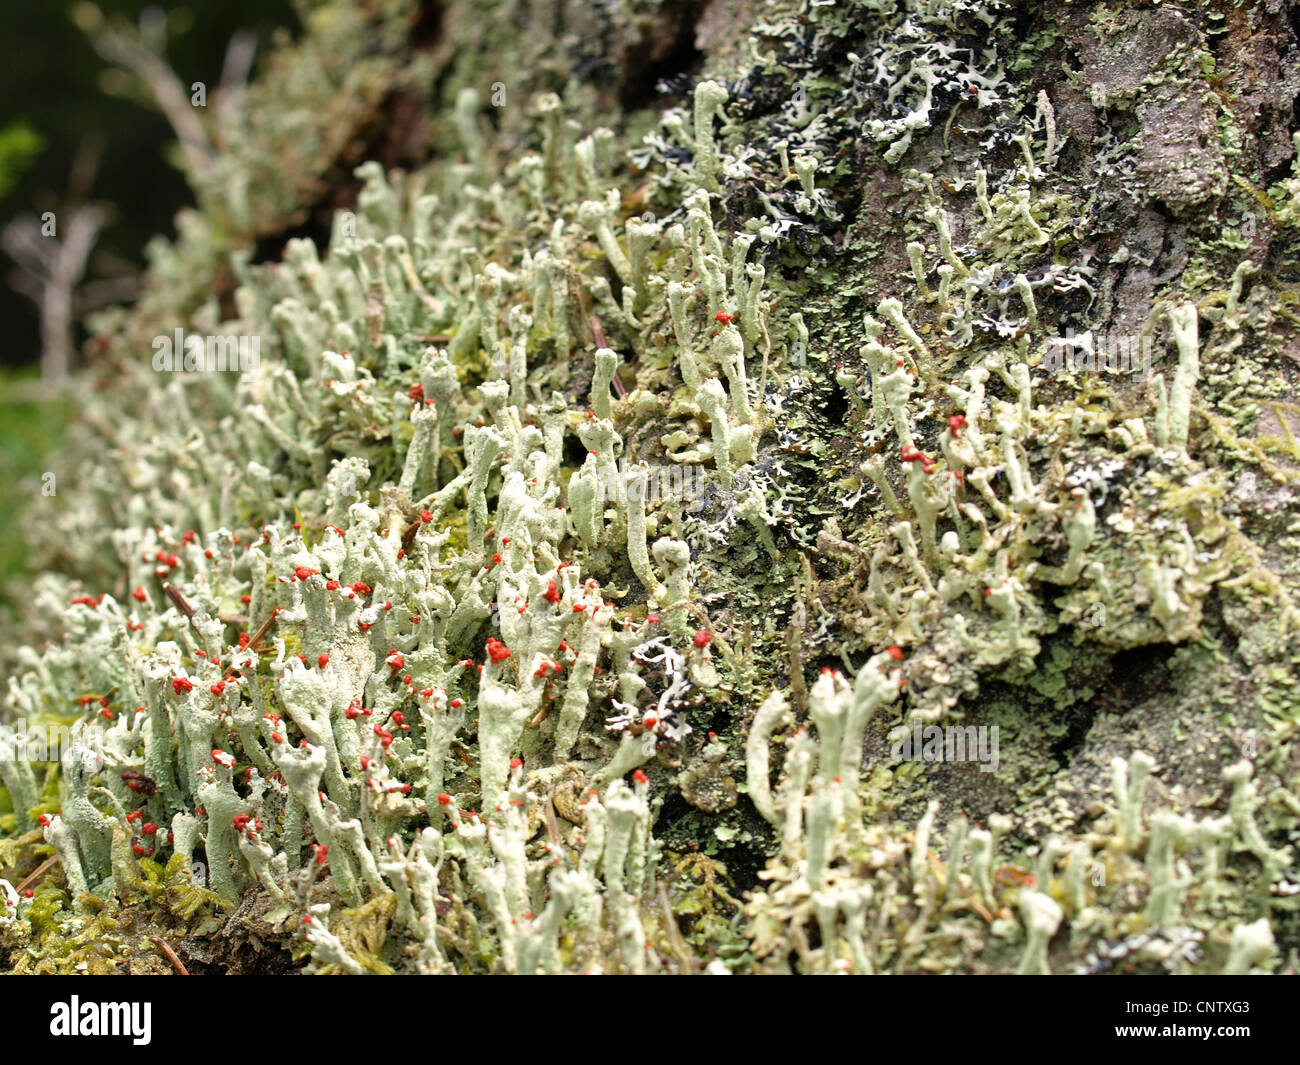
point(552, 825)
point(703, 615)
point(170, 955)
point(40, 871)
point(181, 605)
point(261, 631)
point(598, 332)
point(674, 933)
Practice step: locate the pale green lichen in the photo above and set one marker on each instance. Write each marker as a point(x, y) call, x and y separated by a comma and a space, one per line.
point(447, 606)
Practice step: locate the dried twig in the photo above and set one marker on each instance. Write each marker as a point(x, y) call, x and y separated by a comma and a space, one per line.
point(127, 50)
point(181, 605)
point(39, 872)
point(262, 629)
point(170, 955)
point(51, 269)
point(598, 331)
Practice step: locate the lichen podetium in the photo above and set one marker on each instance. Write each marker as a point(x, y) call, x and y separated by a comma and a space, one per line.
point(609, 491)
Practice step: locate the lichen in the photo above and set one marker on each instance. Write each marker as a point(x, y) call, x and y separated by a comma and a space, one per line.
point(595, 467)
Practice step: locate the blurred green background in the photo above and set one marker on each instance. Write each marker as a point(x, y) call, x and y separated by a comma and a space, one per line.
point(58, 98)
